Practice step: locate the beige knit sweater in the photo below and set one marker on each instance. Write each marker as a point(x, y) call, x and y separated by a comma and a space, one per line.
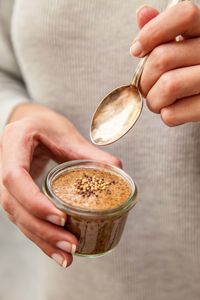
point(67, 54)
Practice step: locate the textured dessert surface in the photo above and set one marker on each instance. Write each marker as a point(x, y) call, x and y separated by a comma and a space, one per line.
point(92, 188)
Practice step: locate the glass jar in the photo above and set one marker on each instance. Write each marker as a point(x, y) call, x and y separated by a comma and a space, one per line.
point(98, 231)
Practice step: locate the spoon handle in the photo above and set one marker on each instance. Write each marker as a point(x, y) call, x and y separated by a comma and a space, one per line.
point(138, 72)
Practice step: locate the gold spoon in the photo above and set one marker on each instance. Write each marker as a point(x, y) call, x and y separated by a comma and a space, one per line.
point(119, 110)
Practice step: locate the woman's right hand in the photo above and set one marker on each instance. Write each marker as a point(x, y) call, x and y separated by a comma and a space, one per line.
point(26, 145)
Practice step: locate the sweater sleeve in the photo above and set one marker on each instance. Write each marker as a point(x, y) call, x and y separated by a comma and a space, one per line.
point(12, 93)
point(12, 89)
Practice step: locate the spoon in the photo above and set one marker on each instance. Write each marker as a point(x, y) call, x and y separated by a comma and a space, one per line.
point(120, 109)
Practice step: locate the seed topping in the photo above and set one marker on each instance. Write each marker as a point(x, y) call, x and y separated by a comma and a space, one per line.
point(91, 185)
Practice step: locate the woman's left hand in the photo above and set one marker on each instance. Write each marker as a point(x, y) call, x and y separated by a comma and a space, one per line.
point(171, 78)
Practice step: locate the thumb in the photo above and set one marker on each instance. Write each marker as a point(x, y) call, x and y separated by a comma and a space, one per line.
point(145, 14)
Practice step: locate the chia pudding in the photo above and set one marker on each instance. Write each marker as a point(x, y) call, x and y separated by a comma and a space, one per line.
point(97, 198)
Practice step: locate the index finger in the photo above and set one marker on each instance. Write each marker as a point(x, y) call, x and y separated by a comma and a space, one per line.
point(181, 19)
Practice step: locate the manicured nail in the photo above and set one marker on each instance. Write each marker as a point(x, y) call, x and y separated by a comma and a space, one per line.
point(141, 7)
point(66, 246)
point(59, 259)
point(56, 220)
point(136, 49)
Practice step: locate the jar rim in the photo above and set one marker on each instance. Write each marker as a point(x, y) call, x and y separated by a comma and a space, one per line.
point(67, 208)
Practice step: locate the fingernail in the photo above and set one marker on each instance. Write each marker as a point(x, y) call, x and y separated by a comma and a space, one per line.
point(56, 220)
point(59, 259)
point(66, 246)
point(136, 49)
point(141, 7)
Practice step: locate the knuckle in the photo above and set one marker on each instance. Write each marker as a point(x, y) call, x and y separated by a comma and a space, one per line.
point(28, 138)
point(160, 58)
point(6, 204)
point(169, 84)
point(6, 178)
point(23, 126)
point(191, 12)
point(168, 116)
point(10, 175)
point(28, 125)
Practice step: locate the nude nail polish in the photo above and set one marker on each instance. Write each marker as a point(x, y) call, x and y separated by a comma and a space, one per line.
point(59, 259)
point(136, 49)
point(66, 246)
point(56, 220)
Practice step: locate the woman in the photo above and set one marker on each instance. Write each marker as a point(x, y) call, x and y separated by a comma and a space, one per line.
point(58, 59)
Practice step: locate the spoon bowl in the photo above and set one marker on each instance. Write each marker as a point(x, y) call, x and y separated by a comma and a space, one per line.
point(116, 115)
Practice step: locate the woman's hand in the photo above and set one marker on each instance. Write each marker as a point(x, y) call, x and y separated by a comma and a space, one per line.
point(171, 77)
point(26, 146)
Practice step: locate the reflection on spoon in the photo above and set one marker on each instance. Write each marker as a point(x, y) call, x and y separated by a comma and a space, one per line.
point(116, 114)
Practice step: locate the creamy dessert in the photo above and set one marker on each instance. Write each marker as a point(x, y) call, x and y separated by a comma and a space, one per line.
point(91, 188)
point(96, 198)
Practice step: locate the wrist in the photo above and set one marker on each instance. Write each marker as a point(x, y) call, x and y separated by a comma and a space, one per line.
point(25, 110)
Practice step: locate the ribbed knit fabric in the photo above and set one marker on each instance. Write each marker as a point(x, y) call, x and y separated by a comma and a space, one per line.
point(12, 91)
point(69, 55)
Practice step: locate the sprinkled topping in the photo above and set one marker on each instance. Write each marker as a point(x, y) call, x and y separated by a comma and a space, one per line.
point(91, 188)
point(90, 185)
